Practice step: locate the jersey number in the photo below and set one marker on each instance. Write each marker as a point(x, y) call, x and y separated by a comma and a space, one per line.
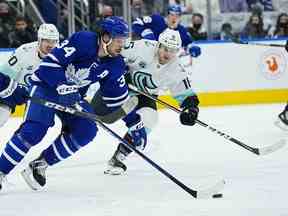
point(130, 45)
point(12, 61)
point(121, 80)
point(68, 50)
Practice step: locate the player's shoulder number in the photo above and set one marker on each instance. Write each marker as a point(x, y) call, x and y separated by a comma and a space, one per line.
point(12, 60)
point(69, 50)
point(129, 45)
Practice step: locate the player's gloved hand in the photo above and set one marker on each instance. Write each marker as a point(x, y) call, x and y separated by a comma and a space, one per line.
point(193, 50)
point(12, 93)
point(137, 132)
point(68, 94)
point(190, 110)
point(286, 46)
point(20, 95)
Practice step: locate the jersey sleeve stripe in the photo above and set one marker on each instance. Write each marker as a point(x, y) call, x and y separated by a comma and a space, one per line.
point(146, 32)
point(52, 57)
point(116, 98)
point(118, 103)
point(47, 64)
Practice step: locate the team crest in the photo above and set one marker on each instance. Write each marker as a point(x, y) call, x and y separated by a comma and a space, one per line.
point(143, 81)
point(78, 77)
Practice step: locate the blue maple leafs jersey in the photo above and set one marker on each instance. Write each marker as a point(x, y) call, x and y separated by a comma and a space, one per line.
point(150, 27)
point(76, 62)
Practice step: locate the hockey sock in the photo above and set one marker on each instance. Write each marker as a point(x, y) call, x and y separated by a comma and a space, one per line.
point(63, 147)
point(14, 151)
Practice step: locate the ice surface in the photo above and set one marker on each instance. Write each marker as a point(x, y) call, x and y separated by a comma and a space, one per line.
point(255, 186)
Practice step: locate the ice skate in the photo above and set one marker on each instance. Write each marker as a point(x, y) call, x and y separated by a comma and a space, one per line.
point(34, 174)
point(282, 121)
point(116, 165)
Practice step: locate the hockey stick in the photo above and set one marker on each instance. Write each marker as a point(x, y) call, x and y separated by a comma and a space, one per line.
point(257, 151)
point(199, 194)
point(238, 41)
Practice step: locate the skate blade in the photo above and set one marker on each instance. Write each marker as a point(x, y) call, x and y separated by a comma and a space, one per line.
point(114, 171)
point(27, 176)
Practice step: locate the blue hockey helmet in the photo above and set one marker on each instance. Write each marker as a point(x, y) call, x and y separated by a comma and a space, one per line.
point(174, 9)
point(114, 26)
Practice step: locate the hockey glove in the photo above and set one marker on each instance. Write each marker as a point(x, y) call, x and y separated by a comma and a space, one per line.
point(20, 95)
point(190, 110)
point(286, 46)
point(193, 50)
point(12, 94)
point(137, 132)
point(68, 94)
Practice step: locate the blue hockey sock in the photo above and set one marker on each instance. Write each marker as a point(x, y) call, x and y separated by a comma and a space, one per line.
point(63, 147)
point(14, 151)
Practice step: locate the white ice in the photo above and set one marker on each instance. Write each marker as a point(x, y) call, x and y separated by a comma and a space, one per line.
point(256, 186)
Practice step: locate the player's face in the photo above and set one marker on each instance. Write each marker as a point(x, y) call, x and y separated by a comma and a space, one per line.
point(116, 46)
point(173, 20)
point(46, 46)
point(165, 54)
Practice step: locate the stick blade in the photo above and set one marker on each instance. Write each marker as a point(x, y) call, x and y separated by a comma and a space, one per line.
point(272, 148)
point(209, 192)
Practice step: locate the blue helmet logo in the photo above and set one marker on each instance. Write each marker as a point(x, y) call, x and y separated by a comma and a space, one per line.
point(115, 26)
point(174, 9)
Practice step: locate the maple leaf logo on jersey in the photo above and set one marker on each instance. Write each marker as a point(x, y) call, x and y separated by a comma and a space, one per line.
point(78, 77)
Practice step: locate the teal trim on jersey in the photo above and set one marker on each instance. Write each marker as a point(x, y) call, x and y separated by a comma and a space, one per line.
point(148, 130)
point(180, 98)
point(5, 69)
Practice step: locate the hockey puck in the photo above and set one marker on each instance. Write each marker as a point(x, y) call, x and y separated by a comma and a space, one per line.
point(220, 195)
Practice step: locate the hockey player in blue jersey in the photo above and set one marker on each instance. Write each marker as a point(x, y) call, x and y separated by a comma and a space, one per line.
point(64, 77)
point(150, 27)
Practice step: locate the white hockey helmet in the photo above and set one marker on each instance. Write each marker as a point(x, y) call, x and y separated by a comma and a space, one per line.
point(48, 31)
point(170, 39)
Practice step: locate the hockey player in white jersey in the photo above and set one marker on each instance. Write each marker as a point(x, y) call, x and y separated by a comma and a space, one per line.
point(19, 67)
point(155, 67)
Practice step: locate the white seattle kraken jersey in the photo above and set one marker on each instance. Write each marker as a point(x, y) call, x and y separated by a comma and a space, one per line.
point(22, 63)
point(147, 74)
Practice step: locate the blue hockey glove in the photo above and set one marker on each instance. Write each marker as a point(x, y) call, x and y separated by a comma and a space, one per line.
point(193, 50)
point(68, 94)
point(190, 110)
point(12, 94)
point(137, 132)
point(20, 95)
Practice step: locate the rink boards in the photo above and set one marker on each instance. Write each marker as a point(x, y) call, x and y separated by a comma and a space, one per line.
point(228, 74)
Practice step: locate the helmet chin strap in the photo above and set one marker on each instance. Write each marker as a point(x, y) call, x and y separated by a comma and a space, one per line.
point(40, 53)
point(105, 46)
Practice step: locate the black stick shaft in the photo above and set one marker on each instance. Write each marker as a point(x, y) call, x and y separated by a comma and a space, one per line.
point(93, 117)
point(210, 128)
